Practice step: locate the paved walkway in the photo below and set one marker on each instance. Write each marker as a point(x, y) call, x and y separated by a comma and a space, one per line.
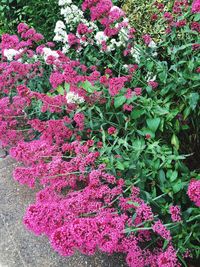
point(19, 247)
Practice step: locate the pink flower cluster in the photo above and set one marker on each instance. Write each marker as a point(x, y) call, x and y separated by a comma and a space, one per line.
point(175, 213)
point(81, 206)
point(194, 191)
point(196, 6)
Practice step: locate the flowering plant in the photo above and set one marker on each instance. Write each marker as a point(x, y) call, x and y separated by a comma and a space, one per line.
point(105, 141)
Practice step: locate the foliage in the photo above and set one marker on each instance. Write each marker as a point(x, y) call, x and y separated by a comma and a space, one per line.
point(116, 105)
point(39, 14)
point(141, 16)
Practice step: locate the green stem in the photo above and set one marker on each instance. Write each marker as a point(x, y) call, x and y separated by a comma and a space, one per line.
point(194, 218)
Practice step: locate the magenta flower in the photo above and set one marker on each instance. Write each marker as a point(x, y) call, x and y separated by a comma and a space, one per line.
point(196, 6)
point(175, 213)
point(194, 191)
point(112, 130)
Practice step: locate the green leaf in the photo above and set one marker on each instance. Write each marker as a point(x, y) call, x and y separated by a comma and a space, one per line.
point(175, 141)
point(197, 17)
point(173, 176)
point(161, 177)
point(136, 113)
point(149, 65)
point(153, 124)
point(134, 203)
point(193, 100)
point(186, 112)
point(165, 244)
point(119, 101)
point(60, 90)
point(88, 86)
point(119, 166)
point(177, 186)
point(138, 144)
point(67, 87)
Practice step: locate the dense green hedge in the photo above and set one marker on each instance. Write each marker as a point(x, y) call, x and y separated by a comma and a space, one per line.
point(40, 14)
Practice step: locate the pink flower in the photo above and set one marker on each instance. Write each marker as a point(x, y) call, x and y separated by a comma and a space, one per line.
point(153, 84)
point(167, 258)
point(175, 213)
point(195, 26)
point(144, 212)
point(129, 93)
point(72, 39)
point(127, 107)
point(154, 17)
point(82, 29)
point(168, 16)
point(112, 130)
point(22, 27)
point(194, 191)
point(22, 90)
point(56, 78)
point(148, 136)
point(147, 39)
point(180, 23)
point(116, 84)
point(160, 229)
point(79, 119)
point(138, 91)
point(196, 6)
point(195, 46)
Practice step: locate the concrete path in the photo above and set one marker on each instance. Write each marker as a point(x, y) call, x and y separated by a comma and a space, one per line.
point(19, 247)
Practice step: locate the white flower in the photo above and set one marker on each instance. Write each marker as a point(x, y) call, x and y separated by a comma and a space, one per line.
point(115, 8)
point(65, 48)
point(59, 26)
point(58, 38)
point(125, 67)
point(126, 20)
point(73, 98)
point(152, 45)
point(48, 52)
point(136, 55)
point(123, 35)
point(150, 77)
point(11, 53)
point(61, 35)
point(64, 2)
point(72, 15)
point(100, 37)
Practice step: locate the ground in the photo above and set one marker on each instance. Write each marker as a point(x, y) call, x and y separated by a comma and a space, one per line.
point(19, 247)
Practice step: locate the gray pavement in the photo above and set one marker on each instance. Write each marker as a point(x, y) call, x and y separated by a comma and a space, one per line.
point(19, 247)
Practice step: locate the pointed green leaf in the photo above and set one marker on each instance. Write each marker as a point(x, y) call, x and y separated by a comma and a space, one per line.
point(153, 124)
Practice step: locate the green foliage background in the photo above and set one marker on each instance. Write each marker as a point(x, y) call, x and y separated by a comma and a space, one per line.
point(42, 15)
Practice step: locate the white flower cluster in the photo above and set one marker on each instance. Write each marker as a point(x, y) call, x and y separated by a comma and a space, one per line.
point(150, 77)
point(136, 54)
point(100, 37)
point(11, 53)
point(73, 98)
point(60, 31)
point(72, 14)
point(64, 2)
point(154, 47)
point(72, 17)
point(48, 52)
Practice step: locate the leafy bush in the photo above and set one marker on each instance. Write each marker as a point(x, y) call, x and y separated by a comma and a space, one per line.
point(116, 105)
point(39, 14)
point(141, 15)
